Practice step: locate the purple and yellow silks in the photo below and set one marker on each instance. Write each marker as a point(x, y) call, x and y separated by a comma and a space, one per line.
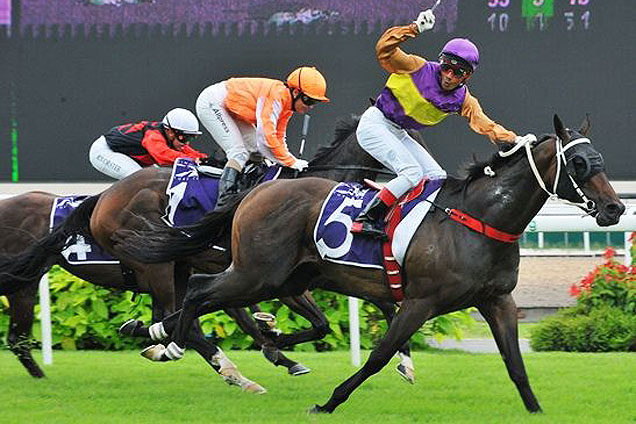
point(416, 100)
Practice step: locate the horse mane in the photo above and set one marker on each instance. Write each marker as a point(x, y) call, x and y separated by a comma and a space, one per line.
point(345, 126)
point(475, 169)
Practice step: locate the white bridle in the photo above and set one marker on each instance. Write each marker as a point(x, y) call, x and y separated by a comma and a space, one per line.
point(587, 204)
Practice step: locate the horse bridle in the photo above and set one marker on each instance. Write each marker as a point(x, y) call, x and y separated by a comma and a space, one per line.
point(587, 205)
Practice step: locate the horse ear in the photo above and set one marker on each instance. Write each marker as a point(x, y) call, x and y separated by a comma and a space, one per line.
point(585, 125)
point(559, 128)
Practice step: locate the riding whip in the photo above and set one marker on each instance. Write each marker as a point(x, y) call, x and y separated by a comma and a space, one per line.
point(303, 134)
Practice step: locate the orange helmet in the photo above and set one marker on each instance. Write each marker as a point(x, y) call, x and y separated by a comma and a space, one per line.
point(309, 82)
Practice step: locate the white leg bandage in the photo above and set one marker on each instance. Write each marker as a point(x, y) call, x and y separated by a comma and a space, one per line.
point(174, 352)
point(157, 332)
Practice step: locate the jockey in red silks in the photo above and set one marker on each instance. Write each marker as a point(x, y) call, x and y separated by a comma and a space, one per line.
point(418, 94)
point(246, 115)
point(128, 148)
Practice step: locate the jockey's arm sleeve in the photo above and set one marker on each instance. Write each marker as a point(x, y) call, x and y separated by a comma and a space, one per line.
point(391, 57)
point(273, 128)
point(155, 143)
point(482, 124)
point(193, 153)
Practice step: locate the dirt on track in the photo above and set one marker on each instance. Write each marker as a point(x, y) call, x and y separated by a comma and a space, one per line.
point(545, 281)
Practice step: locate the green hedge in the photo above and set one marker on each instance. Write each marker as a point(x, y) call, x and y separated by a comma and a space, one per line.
point(603, 329)
point(604, 318)
point(85, 316)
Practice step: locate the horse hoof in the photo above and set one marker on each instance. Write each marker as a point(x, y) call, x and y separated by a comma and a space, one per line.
point(408, 374)
point(252, 387)
point(154, 352)
point(128, 328)
point(316, 409)
point(298, 369)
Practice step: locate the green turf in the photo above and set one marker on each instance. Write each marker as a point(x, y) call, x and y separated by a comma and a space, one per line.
point(98, 387)
point(479, 330)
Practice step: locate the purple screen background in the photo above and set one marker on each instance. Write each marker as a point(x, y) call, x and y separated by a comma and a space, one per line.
point(247, 15)
point(5, 12)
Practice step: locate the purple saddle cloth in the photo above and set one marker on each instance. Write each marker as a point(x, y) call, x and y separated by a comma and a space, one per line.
point(80, 250)
point(332, 235)
point(192, 194)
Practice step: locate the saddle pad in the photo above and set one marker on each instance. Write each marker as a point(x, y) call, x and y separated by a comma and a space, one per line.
point(81, 250)
point(190, 194)
point(336, 243)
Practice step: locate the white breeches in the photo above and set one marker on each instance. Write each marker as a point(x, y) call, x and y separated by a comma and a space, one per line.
point(113, 164)
point(394, 148)
point(235, 137)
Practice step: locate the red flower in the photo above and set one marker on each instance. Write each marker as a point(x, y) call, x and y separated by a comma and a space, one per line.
point(574, 290)
point(632, 236)
point(609, 253)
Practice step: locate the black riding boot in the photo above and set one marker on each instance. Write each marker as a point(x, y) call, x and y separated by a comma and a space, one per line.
point(370, 222)
point(228, 185)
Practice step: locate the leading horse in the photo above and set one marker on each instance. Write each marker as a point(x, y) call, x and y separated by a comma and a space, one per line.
point(448, 266)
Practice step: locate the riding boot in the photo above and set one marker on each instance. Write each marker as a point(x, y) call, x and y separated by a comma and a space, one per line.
point(370, 221)
point(228, 185)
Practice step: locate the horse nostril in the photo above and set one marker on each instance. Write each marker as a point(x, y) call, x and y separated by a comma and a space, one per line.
point(615, 209)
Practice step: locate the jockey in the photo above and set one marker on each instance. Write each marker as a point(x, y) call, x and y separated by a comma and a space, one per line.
point(418, 94)
point(128, 148)
point(246, 115)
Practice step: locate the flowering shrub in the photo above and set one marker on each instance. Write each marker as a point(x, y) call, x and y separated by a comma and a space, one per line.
point(612, 284)
point(604, 318)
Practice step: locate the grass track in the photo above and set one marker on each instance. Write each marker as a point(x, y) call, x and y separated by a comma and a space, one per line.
point(452, 387)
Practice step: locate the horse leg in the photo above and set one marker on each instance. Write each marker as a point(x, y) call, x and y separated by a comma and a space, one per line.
point(211, 353)
point(306, 306)
point(405, 368)
point(21, 305)
point(501, 314)
point(269, 348)
point(412, 315)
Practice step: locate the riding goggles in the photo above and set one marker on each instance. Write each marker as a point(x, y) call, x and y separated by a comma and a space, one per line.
point(185, 138)
point(308, 100)
point(447, 64)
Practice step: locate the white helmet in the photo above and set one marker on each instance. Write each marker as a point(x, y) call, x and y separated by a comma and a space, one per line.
point(182, 120)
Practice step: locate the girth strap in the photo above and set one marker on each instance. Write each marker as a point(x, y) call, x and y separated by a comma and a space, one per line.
point(480, 227)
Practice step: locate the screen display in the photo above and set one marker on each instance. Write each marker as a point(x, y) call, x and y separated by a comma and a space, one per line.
point(5, 12)
point(247, 15)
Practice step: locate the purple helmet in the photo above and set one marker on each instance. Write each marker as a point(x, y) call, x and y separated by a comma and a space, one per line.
point(464, 50)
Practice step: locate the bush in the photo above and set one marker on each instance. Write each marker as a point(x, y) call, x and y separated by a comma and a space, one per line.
point(603, 329)
point(85, 316)
point(604, 318)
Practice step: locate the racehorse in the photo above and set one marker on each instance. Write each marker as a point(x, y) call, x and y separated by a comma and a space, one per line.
point(139, 201)
point(448, 266)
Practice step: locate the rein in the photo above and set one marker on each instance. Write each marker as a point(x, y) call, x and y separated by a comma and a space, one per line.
point(348, 168)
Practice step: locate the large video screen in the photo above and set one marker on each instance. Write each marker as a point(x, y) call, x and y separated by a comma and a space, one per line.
point(247, 15)
point(5, 12)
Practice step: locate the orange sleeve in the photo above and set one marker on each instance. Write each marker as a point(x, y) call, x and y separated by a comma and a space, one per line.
point(157, 147)
point(482, 124)
point(391, 57)
point(272, 122)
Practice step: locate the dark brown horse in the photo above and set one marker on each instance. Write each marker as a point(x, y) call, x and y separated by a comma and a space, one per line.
point(24, 220)
point(136, 203)
point(448, 266)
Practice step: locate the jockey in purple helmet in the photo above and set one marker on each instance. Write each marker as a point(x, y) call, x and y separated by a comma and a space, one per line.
point(417, 95)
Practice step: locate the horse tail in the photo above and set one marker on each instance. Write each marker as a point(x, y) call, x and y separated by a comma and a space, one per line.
point(161, 243)
point(29, 265)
